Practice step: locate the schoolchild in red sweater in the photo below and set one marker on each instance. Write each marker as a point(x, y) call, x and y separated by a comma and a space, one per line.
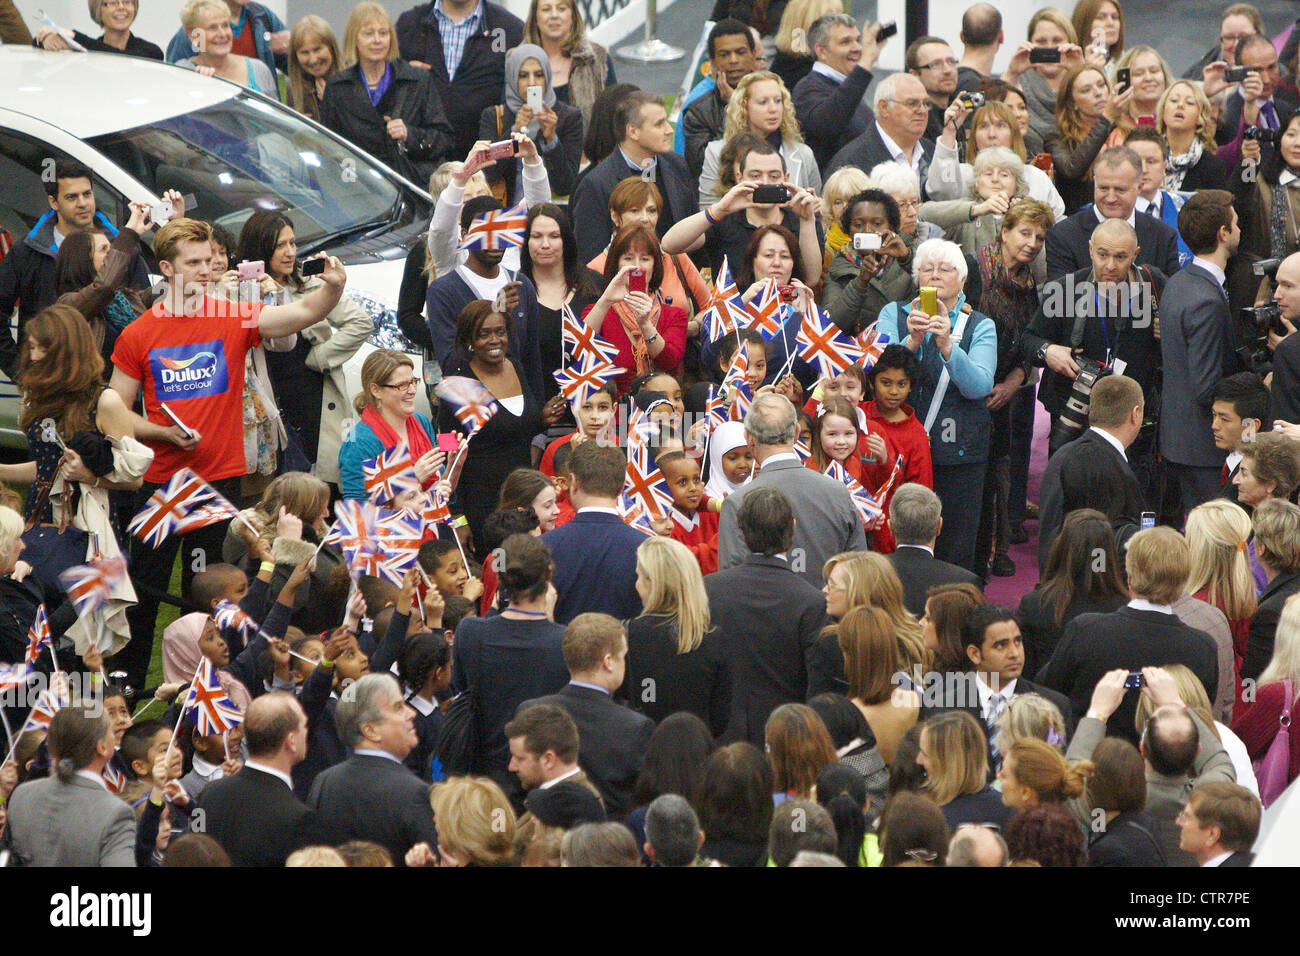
point(891, 381)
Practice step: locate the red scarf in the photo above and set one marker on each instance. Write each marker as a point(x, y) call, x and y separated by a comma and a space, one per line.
point(417, 441)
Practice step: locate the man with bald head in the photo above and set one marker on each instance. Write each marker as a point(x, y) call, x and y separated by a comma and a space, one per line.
point(1284, 393)
point(1116, 178)
point(977, 845)
point(981, 36)
point(1105, 312)
point(898, 134)
point(254, 814)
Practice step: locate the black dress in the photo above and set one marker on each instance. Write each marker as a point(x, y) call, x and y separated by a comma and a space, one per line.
point(501, 446)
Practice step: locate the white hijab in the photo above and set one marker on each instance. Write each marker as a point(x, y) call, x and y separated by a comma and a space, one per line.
point(727, 436)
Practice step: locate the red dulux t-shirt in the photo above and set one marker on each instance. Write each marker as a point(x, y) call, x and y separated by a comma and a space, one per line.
point(196, 365)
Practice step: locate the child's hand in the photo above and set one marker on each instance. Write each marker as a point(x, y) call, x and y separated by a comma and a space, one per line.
point(788, 386)
point(288, 525)
point(300, 576)
point(407, 595)
point(337, 643)
point(435, 604)
point(231, 766)
point(93, 658)
point(160, 777)
point(356, 611)
point(421, 855)
point(280, 657)
point(176, 793)
point(166, 692)
point(877, 523)
point(473, 588)
point(663, 527)
point(8, 778)
point(876, 445)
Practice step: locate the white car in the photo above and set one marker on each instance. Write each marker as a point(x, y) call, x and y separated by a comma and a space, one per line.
point(143, 127)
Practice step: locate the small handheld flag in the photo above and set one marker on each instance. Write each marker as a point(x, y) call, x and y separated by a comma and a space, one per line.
point(185, 500)
point(90, 585)
point(214, 712)
point(867, 507)
point(496, 229)
point(470, 401)
point(580, 340)
point(390, 473)
point(230, 617)
point(39, 636)
point(824, 346)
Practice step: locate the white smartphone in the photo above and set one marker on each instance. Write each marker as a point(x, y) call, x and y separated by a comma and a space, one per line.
point(535, 99)
point(162, 213)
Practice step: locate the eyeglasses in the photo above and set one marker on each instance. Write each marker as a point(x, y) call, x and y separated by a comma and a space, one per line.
point(408, 386)
point(1234, 37)
point(911, 104)
point(947, 64)
point(113, 4)
point(909, 204)
point(937, 269)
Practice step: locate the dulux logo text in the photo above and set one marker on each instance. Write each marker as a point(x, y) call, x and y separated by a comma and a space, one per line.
point(77, 910)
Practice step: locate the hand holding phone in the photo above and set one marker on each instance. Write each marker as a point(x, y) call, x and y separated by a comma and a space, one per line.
point(929, 300)
point(636, 281)
point(253, 269)
point(1044, 54)
point(1123, 79)
point(534, 100)
point(885, 31)
point(770, 194)
point(502, 150)
point(312, 267)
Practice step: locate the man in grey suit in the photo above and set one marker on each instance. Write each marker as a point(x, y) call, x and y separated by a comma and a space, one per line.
point(1180, 751)
point(70, 819)
point(1195, 345)
point(825, 521)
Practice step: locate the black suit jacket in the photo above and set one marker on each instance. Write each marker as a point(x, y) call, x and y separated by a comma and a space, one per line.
point(1067, 243)
point(1039, 627)
point(959, 692)
point(590, 200)
point(1128, 840)
point(1240, 858)
point(1263, 623)
point(611, 741)
point(919, 571)
point(1086, 473)
point(770, 619)
point(1284, 393)
point(867, 149)
point(1130, 639)
point(660, 681)
point(595, 566)
point(256, 818)
point(376, 799)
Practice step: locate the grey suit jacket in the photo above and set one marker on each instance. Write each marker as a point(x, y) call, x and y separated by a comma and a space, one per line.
point(71, 824)
point(825, 521)
point(1166, 796)
point(1194, 319)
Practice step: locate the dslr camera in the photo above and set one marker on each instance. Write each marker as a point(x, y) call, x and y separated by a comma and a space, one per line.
point(1263, 134)
point(1074, 414)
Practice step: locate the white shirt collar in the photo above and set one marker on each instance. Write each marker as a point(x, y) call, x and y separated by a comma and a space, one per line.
point(687, 522)
point(826, 70)
point(1285, 177)
point(631, 165)
point(1217, 860)
point(1006, 691)
point(920, 547)
point(97, 778)
point(367, 752)
point(421, 706)
point(595, 510)
point(578, 683)
point(780, 456)
point(1150, 206)
point(1142, 604)
point(1233, 460)
point(1115, 442)
point(896, 151)
point(1212, 268)
point(560, 779)
point(278, 774)
point(208, 771)
point(1132, 215)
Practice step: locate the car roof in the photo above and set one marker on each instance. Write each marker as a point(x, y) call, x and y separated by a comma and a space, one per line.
point(89, 94)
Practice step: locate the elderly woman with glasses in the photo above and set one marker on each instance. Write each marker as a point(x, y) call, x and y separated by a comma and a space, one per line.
point(116, 17)
point(958, 350)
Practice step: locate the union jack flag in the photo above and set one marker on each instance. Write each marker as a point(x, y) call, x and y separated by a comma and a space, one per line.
point(728, 310)
point(737, 374)
point(765, 310)
point(868, 508)
point(824, 346)
point(213, 711)
point(715, 409)
point(390, 473)
point(883, 491)
point(48, 703)
point(469, 399)
point(872, 343)
point(185, 500)
point(390, 549)
point(13, 675)
point(580, 339)
point(496, 229)
point(230, 616)
point(645, 483)
point(114, 779)
point(741, 399)
point(89, 586)
point(437, 509)
point(585, 375)
point(801, 449)
point(38, 635)
point(352, 521)
point(634, 515)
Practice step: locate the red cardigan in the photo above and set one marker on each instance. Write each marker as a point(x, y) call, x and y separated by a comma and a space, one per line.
point(1257, 724)
point(672, 326)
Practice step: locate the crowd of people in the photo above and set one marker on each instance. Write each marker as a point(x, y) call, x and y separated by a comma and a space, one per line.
point(791, 660)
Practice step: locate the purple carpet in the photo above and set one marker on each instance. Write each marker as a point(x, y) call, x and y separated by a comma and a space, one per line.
point(1008, 591)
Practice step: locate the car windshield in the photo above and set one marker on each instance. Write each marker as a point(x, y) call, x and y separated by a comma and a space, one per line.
point(243, 154)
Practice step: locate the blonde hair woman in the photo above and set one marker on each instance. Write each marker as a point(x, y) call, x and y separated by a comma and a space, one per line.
point(761, 105)
point(1217, 533)
point(313, 58)
point(1257, 721)
point(475, 824)
point(675, 660)
point(1149, 76)
point(954, 754)
point(1185, 119)
point(872, 666)
point(1049, 28)
point(1033, 716)
point(207, 24)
